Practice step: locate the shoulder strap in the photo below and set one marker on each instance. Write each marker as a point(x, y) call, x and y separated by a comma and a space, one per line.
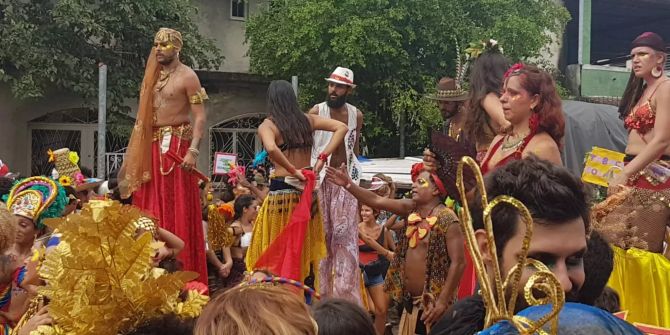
point(656, 89)
point(492, 151)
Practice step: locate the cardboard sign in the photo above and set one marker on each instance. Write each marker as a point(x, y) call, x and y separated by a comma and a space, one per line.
point(223, 162)
point(601, 165)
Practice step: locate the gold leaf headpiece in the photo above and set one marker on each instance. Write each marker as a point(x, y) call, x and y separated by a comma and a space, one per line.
point(99, 278)
point(169, 35)
point(493, 290)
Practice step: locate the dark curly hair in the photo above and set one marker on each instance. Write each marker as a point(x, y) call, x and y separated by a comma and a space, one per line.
point(537, 81)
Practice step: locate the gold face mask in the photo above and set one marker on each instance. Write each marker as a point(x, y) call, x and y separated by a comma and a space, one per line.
point(168, 40)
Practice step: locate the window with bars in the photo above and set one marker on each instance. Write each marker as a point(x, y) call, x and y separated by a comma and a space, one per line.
point(238, 10)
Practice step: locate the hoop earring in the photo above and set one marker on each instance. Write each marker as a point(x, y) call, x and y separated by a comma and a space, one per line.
point(657, 72)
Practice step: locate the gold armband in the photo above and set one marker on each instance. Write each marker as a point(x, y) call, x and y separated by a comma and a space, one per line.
point(199, 97)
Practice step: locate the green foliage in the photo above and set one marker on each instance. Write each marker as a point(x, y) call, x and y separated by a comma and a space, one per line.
point(57, 45)
point(396, 48)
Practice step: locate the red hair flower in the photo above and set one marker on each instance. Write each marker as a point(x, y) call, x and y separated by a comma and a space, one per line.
point(416, 170)
point(514, 69)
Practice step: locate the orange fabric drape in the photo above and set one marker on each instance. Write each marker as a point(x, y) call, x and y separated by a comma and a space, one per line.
point(136, 168)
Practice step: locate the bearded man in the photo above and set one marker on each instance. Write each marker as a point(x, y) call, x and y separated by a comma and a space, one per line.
point(171, 117)
point(339, 272)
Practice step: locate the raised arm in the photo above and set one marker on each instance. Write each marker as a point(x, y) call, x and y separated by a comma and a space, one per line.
point(338, 128)
point(267, 134)
point(172, 241)
point(341, 177)
point(491, 104)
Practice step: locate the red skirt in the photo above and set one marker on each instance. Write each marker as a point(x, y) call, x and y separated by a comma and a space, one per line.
point(174, 199)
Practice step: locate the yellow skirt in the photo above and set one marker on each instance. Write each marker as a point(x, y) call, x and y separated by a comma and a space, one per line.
point(642, 280)
point(273, 216)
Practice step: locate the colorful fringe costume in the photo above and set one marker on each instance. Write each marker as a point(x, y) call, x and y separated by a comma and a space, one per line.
point(270, 249)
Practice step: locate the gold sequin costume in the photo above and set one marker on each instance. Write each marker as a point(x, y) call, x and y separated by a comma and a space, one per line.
point(100, 279)
point(632, 221)
point(274, 215)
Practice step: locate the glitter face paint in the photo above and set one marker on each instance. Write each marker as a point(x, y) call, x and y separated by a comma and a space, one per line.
point(423, 183)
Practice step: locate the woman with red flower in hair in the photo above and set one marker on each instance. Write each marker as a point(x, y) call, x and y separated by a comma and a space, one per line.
point(532, 106)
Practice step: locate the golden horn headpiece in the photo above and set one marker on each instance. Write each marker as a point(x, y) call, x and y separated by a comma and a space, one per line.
point(493, 290)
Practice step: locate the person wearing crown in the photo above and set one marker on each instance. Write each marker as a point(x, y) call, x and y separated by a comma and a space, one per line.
point(339, 273)
point(31, 201)
point(429, 260)
point(170, 97)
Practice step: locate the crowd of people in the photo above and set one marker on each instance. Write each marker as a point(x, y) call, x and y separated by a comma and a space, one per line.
point(495, 236)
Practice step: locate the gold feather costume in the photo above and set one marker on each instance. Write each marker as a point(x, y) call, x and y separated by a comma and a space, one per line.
point(100, 279)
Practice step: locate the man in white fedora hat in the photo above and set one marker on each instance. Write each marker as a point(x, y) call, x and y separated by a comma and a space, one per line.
point(339, 272)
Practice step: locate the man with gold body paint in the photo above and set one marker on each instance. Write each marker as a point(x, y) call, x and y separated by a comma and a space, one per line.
point(171, 117)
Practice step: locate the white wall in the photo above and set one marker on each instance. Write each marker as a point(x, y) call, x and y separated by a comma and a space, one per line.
point(15, 139)
point(214, 21)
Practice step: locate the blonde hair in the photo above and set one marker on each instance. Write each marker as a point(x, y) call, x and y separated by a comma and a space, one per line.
point(256, 309)
point(7, 228)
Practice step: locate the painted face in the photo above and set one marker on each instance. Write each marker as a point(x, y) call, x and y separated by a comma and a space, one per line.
point(561, 247)
point(337, 95)
point(26, 232)
point(367, 214)
point(645, 59)
point(448, 108)
point(166, 52)
point(516, 101)
point(423, 188)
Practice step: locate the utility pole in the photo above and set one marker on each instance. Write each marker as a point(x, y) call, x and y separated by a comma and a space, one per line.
point(294, 83)
point(102, 119)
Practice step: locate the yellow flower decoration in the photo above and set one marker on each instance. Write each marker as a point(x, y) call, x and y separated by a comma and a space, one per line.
point(74, 157)
point(52, 157)
point(65, 180)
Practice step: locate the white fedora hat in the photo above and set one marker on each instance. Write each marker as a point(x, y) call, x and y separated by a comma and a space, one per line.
point(343, 76)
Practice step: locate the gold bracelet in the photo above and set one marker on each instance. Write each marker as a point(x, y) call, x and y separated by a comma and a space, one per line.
point(194, 151)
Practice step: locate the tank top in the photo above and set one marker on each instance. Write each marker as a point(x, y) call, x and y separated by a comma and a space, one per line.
point(366, 254)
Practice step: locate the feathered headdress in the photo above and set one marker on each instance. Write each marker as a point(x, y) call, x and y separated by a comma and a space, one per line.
point(475, 49)
point(498, 308)
point(37, 198)
point(99, 278)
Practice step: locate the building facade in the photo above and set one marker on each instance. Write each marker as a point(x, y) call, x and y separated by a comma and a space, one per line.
point(236, 106)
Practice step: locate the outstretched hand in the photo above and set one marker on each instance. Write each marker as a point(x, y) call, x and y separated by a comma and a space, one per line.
point(429, 161)
point(338, 176)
